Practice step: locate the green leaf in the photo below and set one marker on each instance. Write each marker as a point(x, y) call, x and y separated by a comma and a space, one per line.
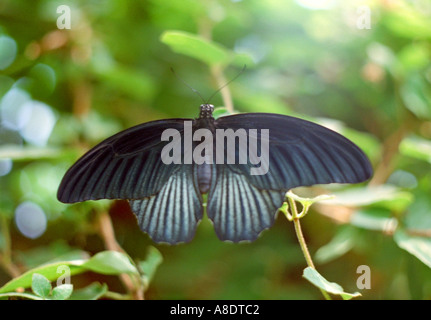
point(149, 266)
point(105, 262)
point(41, 285)
point(43, 78)
point(420, 247)
point(253, 101)
point(241, 59)
point(15, 152)
point(220, 112)
point(62, 292)
point(8, 49)
point(418, 214)
point(135, 83)
point(416, 96)
point(414, 56)
point(331, 287)
point(92, 292)
point(110, 262)
point(308, 201)
point(49, 271)
point(374, 219)
point(387, 196)
point(52, 253)
point(342, 242)
point(416, 147)
point(408, 23)
point(196, 47)
point(20, 295)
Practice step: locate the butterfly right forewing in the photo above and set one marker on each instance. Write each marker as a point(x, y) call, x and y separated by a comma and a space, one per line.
point(301, 153)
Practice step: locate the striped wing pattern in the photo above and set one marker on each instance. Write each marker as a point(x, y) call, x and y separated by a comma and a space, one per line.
point(124, 166)
point(301, 153)
point(172, 214)
point(238, 209)
point(166, 198)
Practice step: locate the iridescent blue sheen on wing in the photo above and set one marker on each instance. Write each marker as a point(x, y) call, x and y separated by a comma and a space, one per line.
point(167, 198)
point(239, 210)
point(301, 153)
point(173, 213)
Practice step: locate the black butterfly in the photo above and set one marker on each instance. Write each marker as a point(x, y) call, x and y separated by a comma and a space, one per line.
point(167, 198)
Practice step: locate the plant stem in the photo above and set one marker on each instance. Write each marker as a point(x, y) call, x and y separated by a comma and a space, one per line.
point(6, 256)
point(298, 230)
point(302, 243)
point(305, 251)
point(217, 74)
point(116, 296)
point(205, 31)
point(133, 286)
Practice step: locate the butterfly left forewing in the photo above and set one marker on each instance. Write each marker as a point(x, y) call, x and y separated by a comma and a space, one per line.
point(125, 166)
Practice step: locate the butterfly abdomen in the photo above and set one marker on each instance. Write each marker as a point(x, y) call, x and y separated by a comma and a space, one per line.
point(204, 172)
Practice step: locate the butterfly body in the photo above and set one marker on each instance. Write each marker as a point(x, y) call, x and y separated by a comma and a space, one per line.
point(166, 196)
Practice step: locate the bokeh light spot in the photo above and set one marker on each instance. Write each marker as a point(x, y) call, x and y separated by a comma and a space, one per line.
point(40, 123)
point(5, 166)
point(30, 219)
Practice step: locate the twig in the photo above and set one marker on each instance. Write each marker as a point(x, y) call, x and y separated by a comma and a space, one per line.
point(217, 74)
point(295, 217)
point(389, 152)
point(6, 256)
point(205, 31)
point(108, 235)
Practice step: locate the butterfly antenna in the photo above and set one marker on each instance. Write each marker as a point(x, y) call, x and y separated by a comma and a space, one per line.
point(185, 83)
point(227, 83)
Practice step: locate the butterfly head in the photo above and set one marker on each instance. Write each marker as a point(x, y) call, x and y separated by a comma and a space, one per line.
point(206, 111)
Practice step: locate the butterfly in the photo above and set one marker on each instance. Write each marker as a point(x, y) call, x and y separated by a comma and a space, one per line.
point(167, 198)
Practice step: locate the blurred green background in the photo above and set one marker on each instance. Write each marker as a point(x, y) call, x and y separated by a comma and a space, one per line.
point(367, 76)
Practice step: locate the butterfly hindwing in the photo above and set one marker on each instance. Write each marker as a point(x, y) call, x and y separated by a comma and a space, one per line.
point(238, 209)
point(173, 213)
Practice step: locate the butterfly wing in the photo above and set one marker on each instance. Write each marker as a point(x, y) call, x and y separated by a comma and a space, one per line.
point(173, 213)
point(128, 165)
point(301, 153)
point(124, 166)
point(240, 210)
